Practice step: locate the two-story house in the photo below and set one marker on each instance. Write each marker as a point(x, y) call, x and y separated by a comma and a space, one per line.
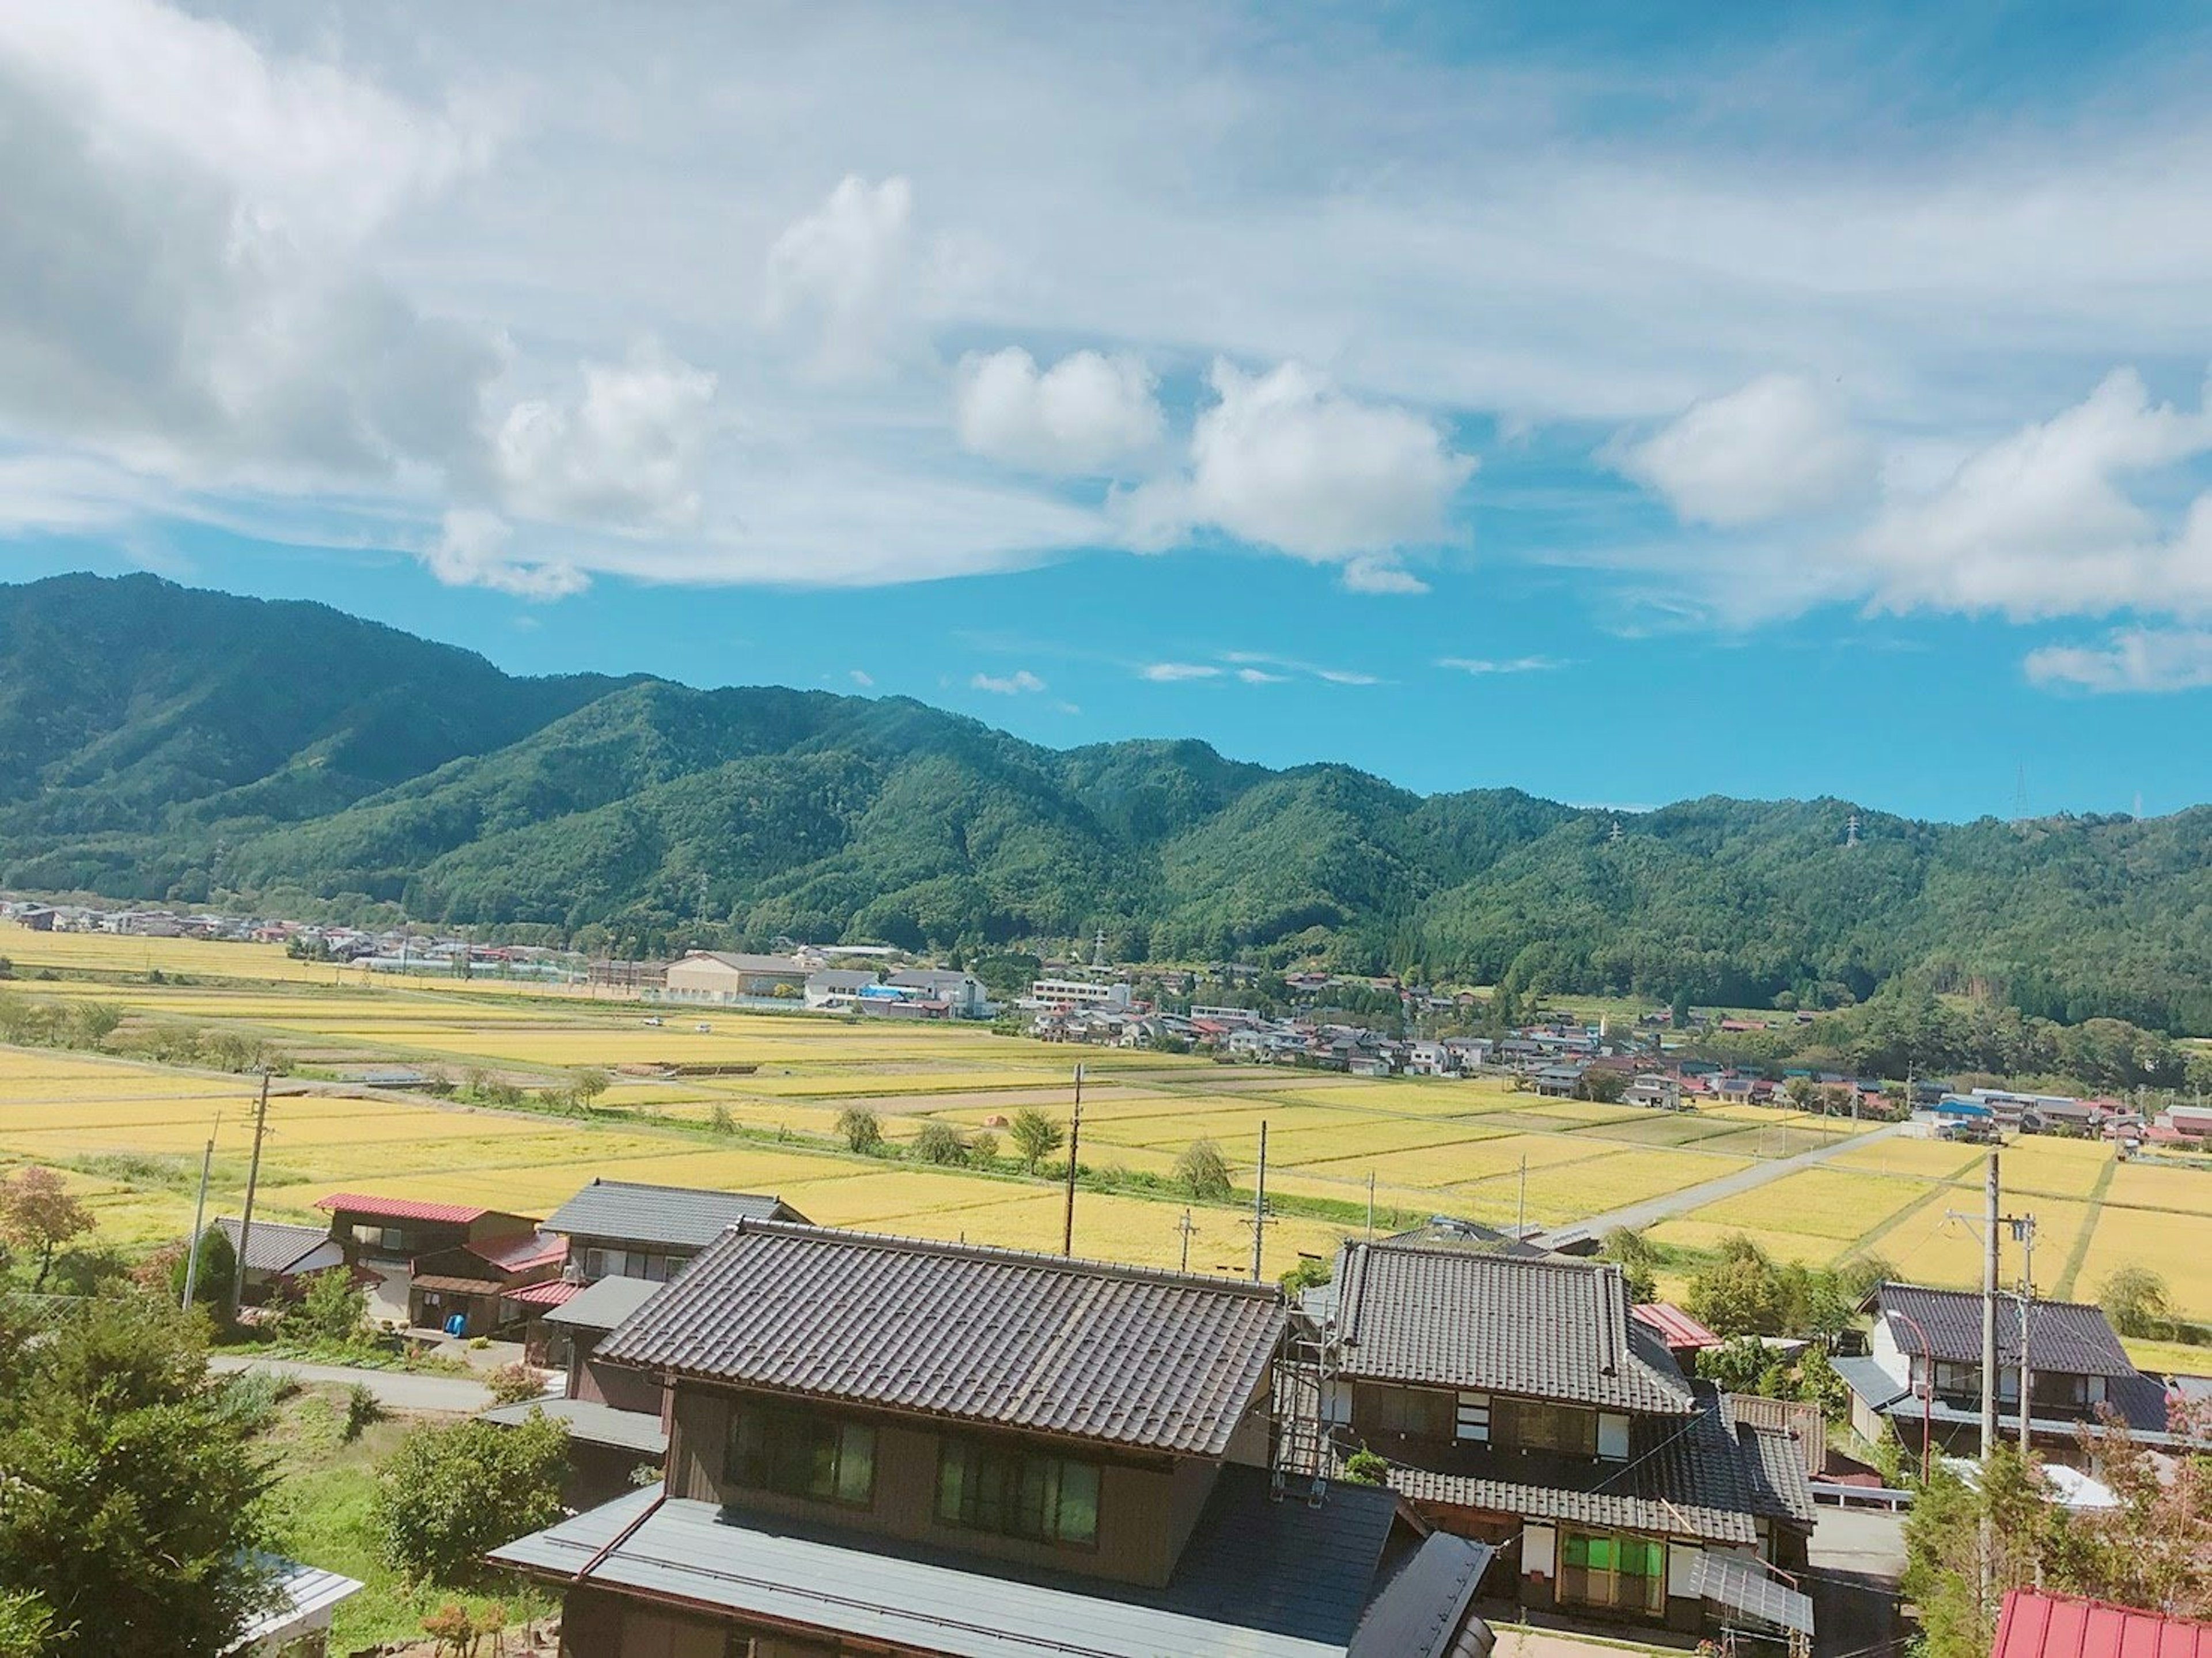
point(1927, 1342)
point(885, 1446)
point(626, 1228)
point(1517, 1400)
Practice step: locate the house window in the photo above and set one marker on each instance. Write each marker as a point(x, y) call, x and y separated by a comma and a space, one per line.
point(799, 1453)
point(1416, 1412)
point(1013, 1492)
point(1615, 1571)
point(1474, 1418)
point(1541, 1426)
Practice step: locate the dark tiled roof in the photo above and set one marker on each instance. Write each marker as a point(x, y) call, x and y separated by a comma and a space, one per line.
point(681, 1215)
point(1163, 1360)
point(2071, 1338)
point(1424, 1607)
point(1445, 1233)
point(272, 1246)
point(1706, 1476)
point(1547, 1328)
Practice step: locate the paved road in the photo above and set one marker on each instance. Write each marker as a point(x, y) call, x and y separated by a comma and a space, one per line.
point(1651, 1213)
point(402, 1390)
point(1857, 1556)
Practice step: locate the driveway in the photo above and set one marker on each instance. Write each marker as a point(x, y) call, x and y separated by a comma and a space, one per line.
point(1857, 1556)
point(402, 1390)
point(1639, 1216)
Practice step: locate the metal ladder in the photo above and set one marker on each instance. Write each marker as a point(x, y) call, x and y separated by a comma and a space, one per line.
point(1303, 1450)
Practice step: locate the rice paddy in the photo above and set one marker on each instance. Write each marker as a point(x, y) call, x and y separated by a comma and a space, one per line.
point(129, 1135)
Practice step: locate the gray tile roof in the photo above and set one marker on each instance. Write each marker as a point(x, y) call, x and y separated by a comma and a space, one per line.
point(687, 1217)
point(1424, 1607)
point(273, 1245)
point(1706, 1476)
point(2071, 1338)
point(1258, 1579)
point(604, 1305)
point(1163, 1360)
point(1541, 1328)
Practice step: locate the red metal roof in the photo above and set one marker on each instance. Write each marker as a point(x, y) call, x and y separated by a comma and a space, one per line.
point(458, 1214)
point(521, 1251)
point(551, 1293)
point(1675, 1328)
point(2034, 1624)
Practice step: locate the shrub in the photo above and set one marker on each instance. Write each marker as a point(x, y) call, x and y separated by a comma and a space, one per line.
point(718, 1119)
point(862, 1129)
point(983, 1151)
point(335, 1310)
point(940, 1143)
point(1365, 1467)
point(363, 1410)
point(1203, 1172)
point(511, 1384)
point(450, 1491)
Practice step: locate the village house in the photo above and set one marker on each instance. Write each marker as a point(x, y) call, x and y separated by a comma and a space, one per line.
point(1926, 1339)
point(626, 1228)
point(1516, 1401)
point(371, 1227)
point(890, 1447)
point(487, 1288)
point(279, 1259)
point(613, 1411)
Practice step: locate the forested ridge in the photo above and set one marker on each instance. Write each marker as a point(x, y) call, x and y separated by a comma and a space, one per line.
point(158, 742)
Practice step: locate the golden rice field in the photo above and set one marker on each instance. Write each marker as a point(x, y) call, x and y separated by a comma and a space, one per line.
point(129, 1135)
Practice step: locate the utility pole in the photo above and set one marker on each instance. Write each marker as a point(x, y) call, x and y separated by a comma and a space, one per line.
point(1074, 1135)
point(1370, 1205)
point(252, 1180)
point(1260, 1203)
point(199, 1220)
point(1521, 1211)
point(1989, 1207)
point(2023, 1230)
point(1186, 1226)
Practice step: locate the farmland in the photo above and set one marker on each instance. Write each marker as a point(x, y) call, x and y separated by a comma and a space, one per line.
point(753, 1101)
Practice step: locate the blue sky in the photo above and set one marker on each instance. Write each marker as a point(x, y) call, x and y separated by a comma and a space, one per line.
point(1774, 400)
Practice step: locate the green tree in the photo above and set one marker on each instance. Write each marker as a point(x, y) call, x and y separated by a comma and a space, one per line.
point(862, 1129)
point(333, 1312)
point(218, 1262)
point(983, 1151)
point(451, 1491)
point(1818, 1384)
point(131, 1502)
point(2136, 1301)
point(1203, 1172)
point(26, 1627)
point(1958, 1536)
point(1628, 1249)
point(718, 1119)
point(588, 1084)
point(1601, 1083)
point(38, 1213)
point(1036, 1137)
point(1311, 1273)
point(940, 1143)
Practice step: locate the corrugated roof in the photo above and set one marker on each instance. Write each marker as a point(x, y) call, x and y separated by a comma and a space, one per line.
point(1258, 1579)
point(591, 1422)
point(1163, 1360)
point(604, 1305)
point(688, 1216)
point(2034, 1624)
point(2070, 1337)
point(521, 1251)
point(272, 1246)
point(1675, 1328)
point(553, 1292)
point(1547, 1329)
point(299, 1594)
point(360, 1203)
point(447, 1283)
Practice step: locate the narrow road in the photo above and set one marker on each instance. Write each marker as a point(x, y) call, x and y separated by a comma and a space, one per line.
point(402, 1390)
point(1655, 1210)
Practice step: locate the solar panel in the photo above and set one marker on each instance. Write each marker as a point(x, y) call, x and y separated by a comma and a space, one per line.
point(1745, 1586)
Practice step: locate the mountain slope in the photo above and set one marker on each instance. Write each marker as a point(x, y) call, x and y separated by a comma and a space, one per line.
point(164, 743)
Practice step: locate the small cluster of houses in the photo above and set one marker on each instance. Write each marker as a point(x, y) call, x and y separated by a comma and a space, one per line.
point(838, 981)
point(1988, 1113)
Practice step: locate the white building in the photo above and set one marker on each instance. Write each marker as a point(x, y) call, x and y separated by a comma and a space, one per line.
point(1078, 992)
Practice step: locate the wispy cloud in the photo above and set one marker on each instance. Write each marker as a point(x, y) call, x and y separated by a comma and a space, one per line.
point(1020, 682)
point(1479, 664)
point(1261, 676)
point(864, 679)
point(1168, 673)
point(2140, 660)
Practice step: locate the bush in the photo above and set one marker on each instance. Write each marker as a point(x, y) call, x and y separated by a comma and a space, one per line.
point(218, 1262)
point(983, 1151)
point(718, 1119)
point(363, 1410)
point(511, 1384)
point(940, 1143)
point(1203, 1172)
point(2137, 1301)
point(863, 1131)
point(1365, 1467)
point(452, 1491)
point(334, 1311)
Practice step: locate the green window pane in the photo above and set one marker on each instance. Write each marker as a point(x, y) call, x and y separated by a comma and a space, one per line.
point(856, 1464)
point(1078, 1503)
point(1602, 1553)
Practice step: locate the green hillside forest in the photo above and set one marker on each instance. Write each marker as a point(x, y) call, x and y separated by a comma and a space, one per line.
point(162, 744)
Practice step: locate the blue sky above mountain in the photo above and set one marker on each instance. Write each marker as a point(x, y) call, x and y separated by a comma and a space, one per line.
point(1774, 399)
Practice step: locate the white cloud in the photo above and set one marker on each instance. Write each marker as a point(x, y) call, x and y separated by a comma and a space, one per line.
point(1287, 460)
point(2129, 659)
point(626, 455)
point(841, 276)
point(470, 552)
point(1082, 415)
point(1345, 676)
point(1478, 664)
point(1168, 673)
point(1380, 575)
point(861, 677)
point(1261, 677)
point(1020, 682)
point(1776, 447)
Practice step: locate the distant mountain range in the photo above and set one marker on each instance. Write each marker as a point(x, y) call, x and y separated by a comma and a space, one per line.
point(161, 742)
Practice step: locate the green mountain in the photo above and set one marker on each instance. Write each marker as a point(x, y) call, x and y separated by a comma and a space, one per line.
point(157, 743)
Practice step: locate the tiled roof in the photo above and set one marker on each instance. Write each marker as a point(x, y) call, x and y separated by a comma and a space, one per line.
point(1549, 1328)
point(1163, 1360)
point(456, 1214)
point(271, 1246)
point(684, 1216)
point(1707, 1477)
point(2034, 1624)
point(2071, 1338)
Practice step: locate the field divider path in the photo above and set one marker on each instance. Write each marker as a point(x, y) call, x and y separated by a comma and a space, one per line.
point(2064, 1288)
point(1652, 1211)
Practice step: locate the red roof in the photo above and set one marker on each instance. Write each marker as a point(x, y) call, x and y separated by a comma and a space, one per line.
point(458, 1214)
point(551, 1293)
point(521, 1251)
point(1676, 1327)
point(2034, 1624)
